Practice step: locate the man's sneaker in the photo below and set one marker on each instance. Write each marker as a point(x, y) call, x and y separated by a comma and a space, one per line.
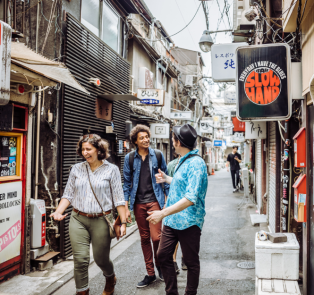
point(147, 280)
point(235, 190)
point(160, 273)
point(183, 266)
point(176, 267)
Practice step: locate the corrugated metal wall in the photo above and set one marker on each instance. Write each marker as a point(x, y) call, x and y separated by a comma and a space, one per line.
point(272, 176)
point(89, 57)
point(258, 169)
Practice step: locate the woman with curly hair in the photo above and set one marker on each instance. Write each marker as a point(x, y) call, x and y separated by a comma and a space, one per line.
point(95, 177)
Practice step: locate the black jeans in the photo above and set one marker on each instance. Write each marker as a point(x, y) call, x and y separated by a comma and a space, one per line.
point(235, 182)
point(190, 245)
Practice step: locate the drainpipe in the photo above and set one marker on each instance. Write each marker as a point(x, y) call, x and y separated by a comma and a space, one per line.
point(37, 142)
point(157, 71)
point(37, 26)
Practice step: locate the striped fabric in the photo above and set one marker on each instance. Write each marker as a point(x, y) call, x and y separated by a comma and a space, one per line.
point(80, 194)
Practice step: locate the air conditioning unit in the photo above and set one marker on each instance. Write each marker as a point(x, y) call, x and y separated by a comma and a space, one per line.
point(190, 80)
point(233, 113)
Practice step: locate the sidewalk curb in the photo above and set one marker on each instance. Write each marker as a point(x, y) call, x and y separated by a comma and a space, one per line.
point(67, 277)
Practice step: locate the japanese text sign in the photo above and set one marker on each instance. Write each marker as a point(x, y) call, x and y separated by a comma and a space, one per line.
point(255, 130)
point(158, 130)
point(263, 86)
point(182, 115)
point(103, 109)
point(151, 96)
point(224, 62)
point(218, 143)
point(206, 126)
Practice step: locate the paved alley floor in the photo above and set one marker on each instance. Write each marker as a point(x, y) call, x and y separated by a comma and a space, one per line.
point(227, 239)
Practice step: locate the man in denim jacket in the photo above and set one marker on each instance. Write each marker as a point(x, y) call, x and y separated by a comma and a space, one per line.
point(144, 194)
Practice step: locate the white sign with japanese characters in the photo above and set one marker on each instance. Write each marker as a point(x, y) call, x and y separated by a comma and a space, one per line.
point(230, 97)
point(159, 130)
point(206, 126)
point(255, 130)
point(224, 61)
point(154, 97)
point(182, 116)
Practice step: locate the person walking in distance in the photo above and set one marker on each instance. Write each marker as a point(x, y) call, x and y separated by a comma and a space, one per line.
point(93, 188)
point(233, 161)
point(144, 194)
point(184, 212)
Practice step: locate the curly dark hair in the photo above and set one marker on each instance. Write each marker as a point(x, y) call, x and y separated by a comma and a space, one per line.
point(95, 140)
point(136, 130)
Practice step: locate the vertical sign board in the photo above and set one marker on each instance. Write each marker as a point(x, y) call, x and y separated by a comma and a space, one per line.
point(255, 130)
point(159, 130)
point(224, 62)
point(10, 220)
point(263, 82)
point(5, 62)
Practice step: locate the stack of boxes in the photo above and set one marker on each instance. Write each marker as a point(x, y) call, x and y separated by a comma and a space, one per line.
point(277, 266)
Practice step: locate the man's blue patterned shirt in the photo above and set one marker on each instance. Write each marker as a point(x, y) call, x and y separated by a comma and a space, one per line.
point(189, 181)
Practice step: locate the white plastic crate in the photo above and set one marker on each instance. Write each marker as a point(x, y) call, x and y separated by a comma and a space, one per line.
point(276, 287)
point(277, 260)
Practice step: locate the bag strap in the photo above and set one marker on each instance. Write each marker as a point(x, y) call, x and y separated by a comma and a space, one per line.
point(189, 156)
point(131, 160)
point(159, 157)
point(95, 194)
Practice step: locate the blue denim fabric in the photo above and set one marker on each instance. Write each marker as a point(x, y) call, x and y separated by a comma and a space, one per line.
point(130, 188)
point(189, 181)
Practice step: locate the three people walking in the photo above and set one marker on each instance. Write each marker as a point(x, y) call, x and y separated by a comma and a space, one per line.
point(94, 189)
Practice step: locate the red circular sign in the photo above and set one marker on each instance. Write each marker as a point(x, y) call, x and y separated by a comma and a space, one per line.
point(262, 86)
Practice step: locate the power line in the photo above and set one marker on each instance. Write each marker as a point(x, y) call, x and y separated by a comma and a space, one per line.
point(156, 40)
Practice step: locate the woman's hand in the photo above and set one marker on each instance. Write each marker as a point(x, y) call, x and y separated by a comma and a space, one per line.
point(160, 177)
point(122, 230)
point(57, 216)
point(128, 215)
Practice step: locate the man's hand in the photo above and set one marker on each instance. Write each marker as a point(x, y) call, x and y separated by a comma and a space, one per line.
point(128, 215)
point(57, 216)
point(160, 177)
point(155, 216)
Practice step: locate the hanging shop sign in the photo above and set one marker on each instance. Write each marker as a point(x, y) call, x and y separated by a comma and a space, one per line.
point(224, 61)
point(159, 130)
point(103, 109)
point(206, 126)
point(151, 96)
point(237, 137)
point(182, 116)
point(145, 78)
point(230, 97)
point(218, 143)
point(263, 82)
point(255, 130)
point(10, 220)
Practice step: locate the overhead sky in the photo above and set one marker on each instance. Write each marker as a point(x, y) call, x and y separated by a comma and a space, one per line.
point(176, 14)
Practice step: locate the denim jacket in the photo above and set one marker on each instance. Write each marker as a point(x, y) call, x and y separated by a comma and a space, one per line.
point(130, 188)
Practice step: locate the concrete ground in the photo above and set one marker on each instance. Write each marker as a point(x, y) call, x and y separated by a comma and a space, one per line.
point(227, 239)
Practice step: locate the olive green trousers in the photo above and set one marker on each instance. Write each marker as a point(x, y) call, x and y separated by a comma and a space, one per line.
point(83, 231)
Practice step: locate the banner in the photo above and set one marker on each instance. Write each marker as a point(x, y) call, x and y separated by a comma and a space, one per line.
point(263, 82)
point(10, 220)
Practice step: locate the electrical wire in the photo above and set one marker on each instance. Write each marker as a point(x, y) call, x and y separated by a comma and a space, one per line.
point(156, 40)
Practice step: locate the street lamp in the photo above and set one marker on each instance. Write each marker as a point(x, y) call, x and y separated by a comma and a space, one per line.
point(206, 40)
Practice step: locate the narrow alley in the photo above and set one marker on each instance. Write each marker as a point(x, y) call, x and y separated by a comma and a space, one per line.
point(227, 239)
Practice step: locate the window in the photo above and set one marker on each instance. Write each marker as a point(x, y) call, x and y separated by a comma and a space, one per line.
point(91, 15)
point(110, 27)
point(103, 21)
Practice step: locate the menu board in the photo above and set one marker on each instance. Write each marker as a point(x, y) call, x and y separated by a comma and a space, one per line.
point(7, 156)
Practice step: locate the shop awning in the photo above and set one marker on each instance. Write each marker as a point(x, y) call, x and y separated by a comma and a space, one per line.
point(117, 97)
point(28, 66)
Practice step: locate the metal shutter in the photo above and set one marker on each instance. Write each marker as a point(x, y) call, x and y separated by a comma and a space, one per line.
point(272, 176)
point(89, 57)
point(258, 173)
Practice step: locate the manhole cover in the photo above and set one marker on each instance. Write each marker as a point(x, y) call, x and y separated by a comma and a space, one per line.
point(246, 264)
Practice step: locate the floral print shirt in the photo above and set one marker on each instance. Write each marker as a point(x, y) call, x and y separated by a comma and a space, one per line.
point(189, 181)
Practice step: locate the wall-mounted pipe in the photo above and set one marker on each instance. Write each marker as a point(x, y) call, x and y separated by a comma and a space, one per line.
point(37, 142)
